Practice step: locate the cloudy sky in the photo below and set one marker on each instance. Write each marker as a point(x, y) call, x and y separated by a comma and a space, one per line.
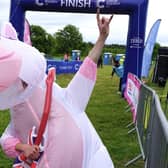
point(51, 22)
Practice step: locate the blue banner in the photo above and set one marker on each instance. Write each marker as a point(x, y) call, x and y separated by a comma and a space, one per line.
point(150, 43)
point(63, 67)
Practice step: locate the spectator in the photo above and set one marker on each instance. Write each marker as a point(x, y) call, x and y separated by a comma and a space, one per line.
point(117, 69)
point(66, 57)
point(100, 62)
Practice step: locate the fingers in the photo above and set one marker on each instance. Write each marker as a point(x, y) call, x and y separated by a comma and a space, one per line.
point(110, 18)
point(98, 15)
point(34, 156)
point(35, 153)
point(103, 19)
point(36, 149)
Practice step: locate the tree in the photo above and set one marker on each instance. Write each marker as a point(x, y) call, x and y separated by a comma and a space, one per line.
point(42, 40)
point(68, 39)
point(50, 44)
point(155, 51)
point(85, 48)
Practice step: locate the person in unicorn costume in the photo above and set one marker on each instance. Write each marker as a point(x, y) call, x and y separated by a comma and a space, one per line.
point(70, 140)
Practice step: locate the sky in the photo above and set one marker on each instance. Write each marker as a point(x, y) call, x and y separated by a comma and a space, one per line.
point(53, 21)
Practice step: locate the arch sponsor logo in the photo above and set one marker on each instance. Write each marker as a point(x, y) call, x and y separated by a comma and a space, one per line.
point(46, 2)
point(136, 42)
point(77, 66)
point(112, 3)
point(65, 3)
point(39, 2)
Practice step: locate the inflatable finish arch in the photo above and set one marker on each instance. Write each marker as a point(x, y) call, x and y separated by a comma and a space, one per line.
point(136, 9)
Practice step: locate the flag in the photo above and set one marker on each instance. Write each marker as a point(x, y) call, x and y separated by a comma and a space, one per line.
point(27, 32)
point(149, 45)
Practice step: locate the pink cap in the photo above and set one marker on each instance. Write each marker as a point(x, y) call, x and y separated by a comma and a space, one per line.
point(10, 65)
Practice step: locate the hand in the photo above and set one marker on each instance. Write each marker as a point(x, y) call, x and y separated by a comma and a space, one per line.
point(31, 152)
point(103, 24)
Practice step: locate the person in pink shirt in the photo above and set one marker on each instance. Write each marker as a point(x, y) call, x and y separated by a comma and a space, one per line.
point(66, 57)
point(70, 140)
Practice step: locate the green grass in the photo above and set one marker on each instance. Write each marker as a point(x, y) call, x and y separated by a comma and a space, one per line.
point(4, 119)
point(106, 111)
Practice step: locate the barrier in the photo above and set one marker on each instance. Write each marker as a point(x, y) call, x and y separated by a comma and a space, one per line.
point(144, 110)
point(64, 67)
point(164, 98)
point(157, 142)
point(152, 130)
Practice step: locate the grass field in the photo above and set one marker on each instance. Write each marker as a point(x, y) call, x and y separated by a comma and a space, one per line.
point(106, 111)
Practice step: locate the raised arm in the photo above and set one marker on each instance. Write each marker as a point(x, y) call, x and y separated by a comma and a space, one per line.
point(81, 86)
point(103, 25)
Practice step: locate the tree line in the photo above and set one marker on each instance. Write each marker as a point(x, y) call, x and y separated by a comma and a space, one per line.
point(67, 39)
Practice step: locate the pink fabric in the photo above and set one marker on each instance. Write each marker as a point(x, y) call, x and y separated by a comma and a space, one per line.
point(9, 147)
point(10, 65)
point(26, 37)
point(8, 31)
point(64, 144)
point(65, 148)
point(90, 71)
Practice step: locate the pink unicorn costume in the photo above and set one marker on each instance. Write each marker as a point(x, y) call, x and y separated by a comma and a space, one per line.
point(70, 139)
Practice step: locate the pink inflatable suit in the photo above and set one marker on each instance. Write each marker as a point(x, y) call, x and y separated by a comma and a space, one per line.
point(70, 139)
